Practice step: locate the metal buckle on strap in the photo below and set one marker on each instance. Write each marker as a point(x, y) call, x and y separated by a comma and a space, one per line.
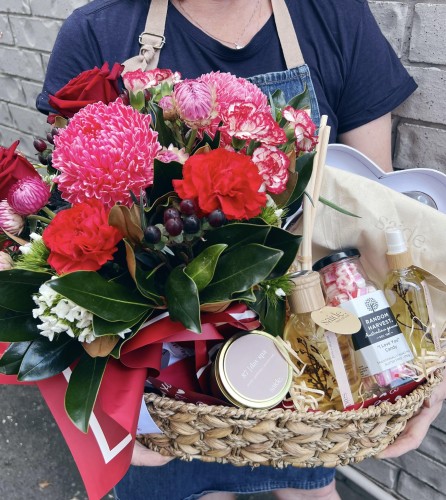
point(161, 37)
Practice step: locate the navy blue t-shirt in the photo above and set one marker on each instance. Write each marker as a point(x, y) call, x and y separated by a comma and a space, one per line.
point(356, 74)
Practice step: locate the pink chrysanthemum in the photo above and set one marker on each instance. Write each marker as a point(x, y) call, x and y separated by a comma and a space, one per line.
point(28, 196)
point(245, 121)
point(10, 220)
point(105, 152)
point(273, 167)
point(304, 128)
point(195, 103)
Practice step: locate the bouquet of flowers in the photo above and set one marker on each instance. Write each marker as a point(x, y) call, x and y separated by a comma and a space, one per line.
point(169, 196)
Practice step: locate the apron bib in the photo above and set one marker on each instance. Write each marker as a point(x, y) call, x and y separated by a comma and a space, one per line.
point(292, 81)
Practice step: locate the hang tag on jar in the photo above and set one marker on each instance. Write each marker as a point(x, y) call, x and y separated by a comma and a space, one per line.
point(336, 320)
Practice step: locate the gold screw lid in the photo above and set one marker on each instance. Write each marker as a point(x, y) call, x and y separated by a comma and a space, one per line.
point(307, 295)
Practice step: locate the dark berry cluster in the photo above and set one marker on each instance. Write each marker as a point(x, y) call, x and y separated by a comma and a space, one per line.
point(44, 147)
point(182, 219)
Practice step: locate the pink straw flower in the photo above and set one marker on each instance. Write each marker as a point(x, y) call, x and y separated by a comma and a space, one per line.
point(29, 195)
point(9, 220)
point(6, 261)
point(195, 103)
point(304, 128)
point(105, 152)
point(172, 153)
point(273, 167)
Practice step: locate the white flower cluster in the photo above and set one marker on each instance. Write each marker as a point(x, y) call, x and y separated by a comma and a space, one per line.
point(58, 315)
point(26, 248)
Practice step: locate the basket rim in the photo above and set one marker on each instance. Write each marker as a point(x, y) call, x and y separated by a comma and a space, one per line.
point(420, 393)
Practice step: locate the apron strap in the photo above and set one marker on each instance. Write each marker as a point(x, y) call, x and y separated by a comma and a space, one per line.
point(152, 39)
point(287, 35)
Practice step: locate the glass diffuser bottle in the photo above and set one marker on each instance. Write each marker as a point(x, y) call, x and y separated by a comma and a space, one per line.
point(316, 347)
point(407, 293)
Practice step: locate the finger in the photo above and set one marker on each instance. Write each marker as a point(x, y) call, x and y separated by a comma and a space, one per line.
point(142, 456)
point(413, 435)
point(438, 394)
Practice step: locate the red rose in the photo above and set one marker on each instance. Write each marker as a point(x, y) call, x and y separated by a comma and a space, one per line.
point(80, 238)
point(90, 86)
point(13, 167)
point(225, 180)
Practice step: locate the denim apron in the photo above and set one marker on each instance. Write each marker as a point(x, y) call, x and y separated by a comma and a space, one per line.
point(180, 480)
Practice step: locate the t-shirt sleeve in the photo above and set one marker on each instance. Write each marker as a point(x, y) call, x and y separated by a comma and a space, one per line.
point(75, 50)
point(376, 82)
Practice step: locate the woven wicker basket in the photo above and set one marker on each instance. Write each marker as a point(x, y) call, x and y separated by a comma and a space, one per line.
point(278, 437)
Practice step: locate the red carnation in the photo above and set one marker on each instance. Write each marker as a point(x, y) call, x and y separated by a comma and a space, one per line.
point(80, 238)
point(224, 180)
point(93, 85)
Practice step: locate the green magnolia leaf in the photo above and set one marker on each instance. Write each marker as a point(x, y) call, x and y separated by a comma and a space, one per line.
point(202, 268)
point(102, 327)
point(271, 316)
point(165, 135)
point(239, 270)
point(182, 300)
point(277, 102)
point(163, 175)
point(288, 243)
point(106, 299)
point(83, 388)
point(337, 207)
point(147, 283)
point(46, 358)
point(208, 141)
point(12, 358)
point(17, 287)
point(236, 235)
point(116, 353)
point(17, 326)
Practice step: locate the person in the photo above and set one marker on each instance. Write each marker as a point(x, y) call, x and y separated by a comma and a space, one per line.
point(336, 50)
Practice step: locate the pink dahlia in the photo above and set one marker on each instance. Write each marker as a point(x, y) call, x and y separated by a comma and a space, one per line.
point(10, 220)
point(245, 121)
point(29, 195)
point(106, 151)
point(273, 167)
point(195, 103)
point(304, 128)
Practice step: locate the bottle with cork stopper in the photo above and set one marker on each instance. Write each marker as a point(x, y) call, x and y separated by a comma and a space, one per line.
point(407, 293)
point(316, 347)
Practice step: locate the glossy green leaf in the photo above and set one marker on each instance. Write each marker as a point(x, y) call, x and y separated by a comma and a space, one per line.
point(165, 135)
point(236, 235)
point(12, 358)
point(83, 388)
point(147, 283)
point(163, 175)
point(116, 353)
point(17, 287)
point(182, 300)
point(271, 316)
point(288, 243)
point(202, 268)
point(102, 327)
point(106, 299)
point(46, 358)
point(239, 270)
point(277, 102)
point(17, 326)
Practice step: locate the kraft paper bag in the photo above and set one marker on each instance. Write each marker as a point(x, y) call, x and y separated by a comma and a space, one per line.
point(379, 208)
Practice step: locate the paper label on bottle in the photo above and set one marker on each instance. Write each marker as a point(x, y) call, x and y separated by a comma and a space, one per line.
point(336, 320)
point(379, 344)
point(431, 279)
point(339, 368)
